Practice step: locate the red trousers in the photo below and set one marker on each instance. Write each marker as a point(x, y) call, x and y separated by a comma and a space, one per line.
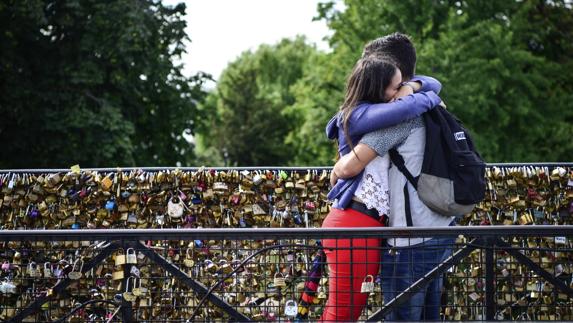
point(350, 261)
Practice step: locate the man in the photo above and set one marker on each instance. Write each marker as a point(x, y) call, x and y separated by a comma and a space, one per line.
point(406, 260)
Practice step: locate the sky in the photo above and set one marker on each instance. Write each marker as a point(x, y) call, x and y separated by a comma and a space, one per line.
point(220, 30)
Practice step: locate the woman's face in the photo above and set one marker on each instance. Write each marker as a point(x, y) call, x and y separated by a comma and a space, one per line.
point(392, 89)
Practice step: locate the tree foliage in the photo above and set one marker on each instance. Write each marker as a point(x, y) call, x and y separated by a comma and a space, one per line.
point(502, 64)
point(247, 112)
point(94, 83)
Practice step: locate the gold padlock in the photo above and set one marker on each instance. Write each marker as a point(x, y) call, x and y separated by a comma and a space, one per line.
point(118, 274)
point(120, 258)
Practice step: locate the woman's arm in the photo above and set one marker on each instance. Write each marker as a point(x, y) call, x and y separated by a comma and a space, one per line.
point(369, 117)
point(353, 163)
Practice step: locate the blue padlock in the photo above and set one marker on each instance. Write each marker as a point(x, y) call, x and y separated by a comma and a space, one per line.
point(198, 243)
point(75, 226)
point(34, 213)
point(296, 217)
point(125, 194)
point(196, 199)
point(110, 205)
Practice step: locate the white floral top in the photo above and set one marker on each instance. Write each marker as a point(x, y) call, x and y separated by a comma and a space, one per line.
point(373, 189)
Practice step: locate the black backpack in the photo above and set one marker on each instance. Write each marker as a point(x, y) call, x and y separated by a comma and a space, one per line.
point(452, 179)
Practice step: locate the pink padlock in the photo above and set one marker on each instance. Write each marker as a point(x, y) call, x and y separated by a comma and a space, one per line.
point(6, 266)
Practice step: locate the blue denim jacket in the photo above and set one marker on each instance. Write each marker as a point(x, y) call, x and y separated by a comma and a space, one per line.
point(368, 117)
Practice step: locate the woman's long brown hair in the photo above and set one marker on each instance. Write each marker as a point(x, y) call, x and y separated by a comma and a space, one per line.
point(367, 82)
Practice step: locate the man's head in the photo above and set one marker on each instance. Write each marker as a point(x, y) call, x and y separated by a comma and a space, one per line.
point(399, 48)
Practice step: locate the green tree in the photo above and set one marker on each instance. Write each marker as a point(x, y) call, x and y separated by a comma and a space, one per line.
point(94, 83)
point(502, 64)
point(247, 118)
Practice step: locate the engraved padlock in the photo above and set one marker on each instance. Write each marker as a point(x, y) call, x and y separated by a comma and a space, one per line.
point(279, 280)
point(130, 256)
point(120, 258)
point(76, 272)
point(291, 308)
point(127, 294)
point(367, 284)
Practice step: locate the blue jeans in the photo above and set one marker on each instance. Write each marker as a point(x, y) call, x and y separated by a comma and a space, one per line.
point(404, 267)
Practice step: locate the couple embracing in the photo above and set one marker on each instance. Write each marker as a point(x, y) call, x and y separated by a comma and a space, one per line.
point(381, 112)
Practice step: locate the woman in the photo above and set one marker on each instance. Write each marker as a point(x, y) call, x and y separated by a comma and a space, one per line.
point(374, 80)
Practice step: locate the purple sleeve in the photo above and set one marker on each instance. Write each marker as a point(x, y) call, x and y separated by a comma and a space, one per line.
point(428, 83)
point(370, 117)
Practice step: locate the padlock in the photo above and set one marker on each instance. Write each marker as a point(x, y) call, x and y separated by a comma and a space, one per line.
point(76, 272)
point(138, 290)
point(135, 271)
point(47, 270)
point(32, 269)
point(367, 284)
point(279, 280)
point(188, 261)
point(120, 258)
point(291, 308)
point(130, 256)
point(6, 266)
point(110, 205)
point(127, 294)
point(175, 207)
point(118, 274)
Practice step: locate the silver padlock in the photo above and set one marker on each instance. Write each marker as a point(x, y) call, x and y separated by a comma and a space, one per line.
point(130, 256)
point(47, 270)
point(367, 284)
point(32, 269)
point(291, 308)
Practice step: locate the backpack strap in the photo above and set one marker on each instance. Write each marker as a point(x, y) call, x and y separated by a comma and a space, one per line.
point(398, 161)
point(407, 208)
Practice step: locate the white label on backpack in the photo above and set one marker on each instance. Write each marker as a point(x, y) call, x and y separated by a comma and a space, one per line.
point(460, 136)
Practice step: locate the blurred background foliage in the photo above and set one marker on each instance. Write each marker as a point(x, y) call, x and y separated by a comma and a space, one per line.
point(96, 84)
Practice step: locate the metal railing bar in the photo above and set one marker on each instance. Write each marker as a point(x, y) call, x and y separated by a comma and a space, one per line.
point(285, 168)
point(282, 233)
point(490, 302)
point(405, 295)
point(535, 267)
point(61, 285)
point(199, 288)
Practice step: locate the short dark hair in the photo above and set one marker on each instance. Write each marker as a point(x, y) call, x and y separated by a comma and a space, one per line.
point(399, 48)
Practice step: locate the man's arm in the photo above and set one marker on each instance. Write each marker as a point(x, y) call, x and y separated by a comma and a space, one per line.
point(427, 83)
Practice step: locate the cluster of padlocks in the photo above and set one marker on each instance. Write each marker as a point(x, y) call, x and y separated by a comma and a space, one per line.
point(269, 285)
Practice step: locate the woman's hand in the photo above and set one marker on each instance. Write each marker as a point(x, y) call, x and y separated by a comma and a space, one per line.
point(333, 178)
point(405, 90)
